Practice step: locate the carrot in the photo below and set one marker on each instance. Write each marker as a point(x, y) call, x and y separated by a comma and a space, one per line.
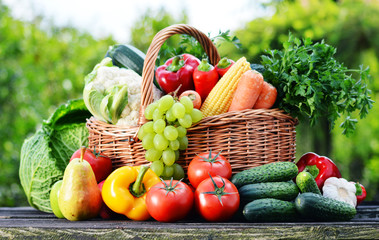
point(267, 97)
point(247, 91)
point(194, 96)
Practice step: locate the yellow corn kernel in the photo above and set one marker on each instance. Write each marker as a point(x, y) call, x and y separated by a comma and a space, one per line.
point(220, 98)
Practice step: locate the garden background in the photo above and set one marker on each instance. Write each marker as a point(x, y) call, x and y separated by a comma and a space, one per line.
point(42, 66)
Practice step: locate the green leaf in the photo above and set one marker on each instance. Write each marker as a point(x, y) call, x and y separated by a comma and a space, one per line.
point(311, 83)
point(38, 170)
point(72, 112)
point(117, 101)
point(93, 100)
point(45, 155)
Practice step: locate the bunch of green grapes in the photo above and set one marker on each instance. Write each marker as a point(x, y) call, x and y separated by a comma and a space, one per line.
point(165, 135)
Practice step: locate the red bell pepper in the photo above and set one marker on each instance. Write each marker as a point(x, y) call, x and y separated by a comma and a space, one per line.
point(361, 193)
point(205, 78)
point(320, 167)
point(177, 72)
point(223, 66)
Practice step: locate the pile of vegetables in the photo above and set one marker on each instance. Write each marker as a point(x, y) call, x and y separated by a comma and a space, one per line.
point(311, 189)
point(303, 79)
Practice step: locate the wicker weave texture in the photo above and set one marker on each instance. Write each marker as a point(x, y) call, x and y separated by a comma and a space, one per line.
point(247, 138)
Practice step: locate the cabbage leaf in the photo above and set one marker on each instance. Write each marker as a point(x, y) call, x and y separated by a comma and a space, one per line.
point(45, 155)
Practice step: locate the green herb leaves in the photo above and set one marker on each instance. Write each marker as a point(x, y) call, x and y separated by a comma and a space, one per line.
point(311, 83)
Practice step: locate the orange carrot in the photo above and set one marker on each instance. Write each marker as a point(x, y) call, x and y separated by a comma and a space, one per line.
point(267, 97)
point(247, 92)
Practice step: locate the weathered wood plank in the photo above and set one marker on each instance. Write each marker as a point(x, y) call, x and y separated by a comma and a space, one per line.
point(28, 223)
point(230, 232)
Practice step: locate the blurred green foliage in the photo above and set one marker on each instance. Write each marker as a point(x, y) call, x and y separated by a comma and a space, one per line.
point(40, 69)
point(151, 22)
point(43, 68)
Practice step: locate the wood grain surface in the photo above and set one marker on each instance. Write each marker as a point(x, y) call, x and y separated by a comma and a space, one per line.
point(28, 223)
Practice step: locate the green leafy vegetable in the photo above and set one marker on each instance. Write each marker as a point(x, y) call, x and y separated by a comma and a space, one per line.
point(45, 155)
point(311, 83)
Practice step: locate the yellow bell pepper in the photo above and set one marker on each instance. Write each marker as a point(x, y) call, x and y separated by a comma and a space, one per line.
point(124, 191)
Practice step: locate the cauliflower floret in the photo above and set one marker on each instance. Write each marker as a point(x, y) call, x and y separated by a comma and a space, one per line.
point(109, 76)
point(105, 77)
point(114, 76)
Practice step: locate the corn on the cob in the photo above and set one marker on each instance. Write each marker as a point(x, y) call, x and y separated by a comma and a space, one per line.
point(220, 98)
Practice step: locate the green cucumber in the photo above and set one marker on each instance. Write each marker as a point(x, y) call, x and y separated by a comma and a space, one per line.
point(278, 190)
point(270, 210)
point(318, 207)
point(272, 172)
point(306, 183)
point(128, 56)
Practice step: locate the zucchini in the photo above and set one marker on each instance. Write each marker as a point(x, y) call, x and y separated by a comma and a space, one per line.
point(270, 210)
point(306, 183)
point(278, 190)
point(272, 172)
point(318, 207)
point(128, 56)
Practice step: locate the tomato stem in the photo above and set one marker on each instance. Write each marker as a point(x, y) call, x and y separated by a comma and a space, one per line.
point(210, 159)
point(170, 188)
point(219, 191)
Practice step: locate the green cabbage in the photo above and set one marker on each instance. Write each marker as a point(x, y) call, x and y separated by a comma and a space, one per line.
point(107, 105)
point(45, 155)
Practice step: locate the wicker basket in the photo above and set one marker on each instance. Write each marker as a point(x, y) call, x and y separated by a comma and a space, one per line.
point(247, 138)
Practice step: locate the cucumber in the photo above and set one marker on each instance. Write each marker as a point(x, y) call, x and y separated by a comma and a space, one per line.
point(128, 56)
point(270, 210)
point(306, 183)
point(318, 207)
point(278, 190)
point(272, 172)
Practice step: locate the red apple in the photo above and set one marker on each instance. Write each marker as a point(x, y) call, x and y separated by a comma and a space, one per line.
point(101, 165)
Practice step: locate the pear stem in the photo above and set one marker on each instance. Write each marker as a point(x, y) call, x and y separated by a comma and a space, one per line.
point(83, 150)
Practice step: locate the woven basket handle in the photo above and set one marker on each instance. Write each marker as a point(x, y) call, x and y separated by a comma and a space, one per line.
point(152, 54)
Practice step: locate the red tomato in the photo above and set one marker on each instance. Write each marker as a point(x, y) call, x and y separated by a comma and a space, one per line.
point(206, 164)
point(169, 201)
point(217, 199)
point(101, 165)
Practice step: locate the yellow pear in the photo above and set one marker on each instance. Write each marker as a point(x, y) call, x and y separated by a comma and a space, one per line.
point(79, 197)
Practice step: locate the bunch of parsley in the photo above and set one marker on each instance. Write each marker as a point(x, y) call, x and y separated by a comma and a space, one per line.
point(311, 83)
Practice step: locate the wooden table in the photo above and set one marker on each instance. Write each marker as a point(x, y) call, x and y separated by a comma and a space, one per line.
point(28, 223)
